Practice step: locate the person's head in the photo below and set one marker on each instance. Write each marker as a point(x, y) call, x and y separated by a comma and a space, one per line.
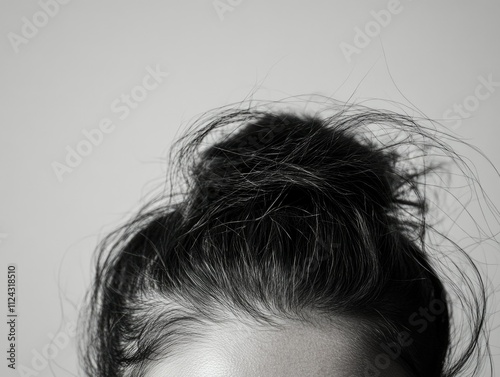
point(296, 247)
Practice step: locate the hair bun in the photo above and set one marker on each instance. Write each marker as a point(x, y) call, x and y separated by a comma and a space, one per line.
point(292, 157)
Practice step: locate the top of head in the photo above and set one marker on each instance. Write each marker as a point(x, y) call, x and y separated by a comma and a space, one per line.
point(297, 198)
point(288, 217)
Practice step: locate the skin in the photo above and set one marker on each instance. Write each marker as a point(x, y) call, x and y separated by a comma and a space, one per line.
point(292, 350)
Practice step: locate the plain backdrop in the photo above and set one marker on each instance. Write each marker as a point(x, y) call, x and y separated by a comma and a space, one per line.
point(64, 69)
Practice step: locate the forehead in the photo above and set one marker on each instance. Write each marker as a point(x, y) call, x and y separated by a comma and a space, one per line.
point(292, 350)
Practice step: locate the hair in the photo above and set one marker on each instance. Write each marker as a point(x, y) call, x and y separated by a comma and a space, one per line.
point(287, 215)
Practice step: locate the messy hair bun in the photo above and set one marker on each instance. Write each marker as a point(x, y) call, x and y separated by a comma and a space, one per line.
point(284, 215)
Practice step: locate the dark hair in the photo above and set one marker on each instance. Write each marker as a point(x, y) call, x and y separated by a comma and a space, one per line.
point(286, 215)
